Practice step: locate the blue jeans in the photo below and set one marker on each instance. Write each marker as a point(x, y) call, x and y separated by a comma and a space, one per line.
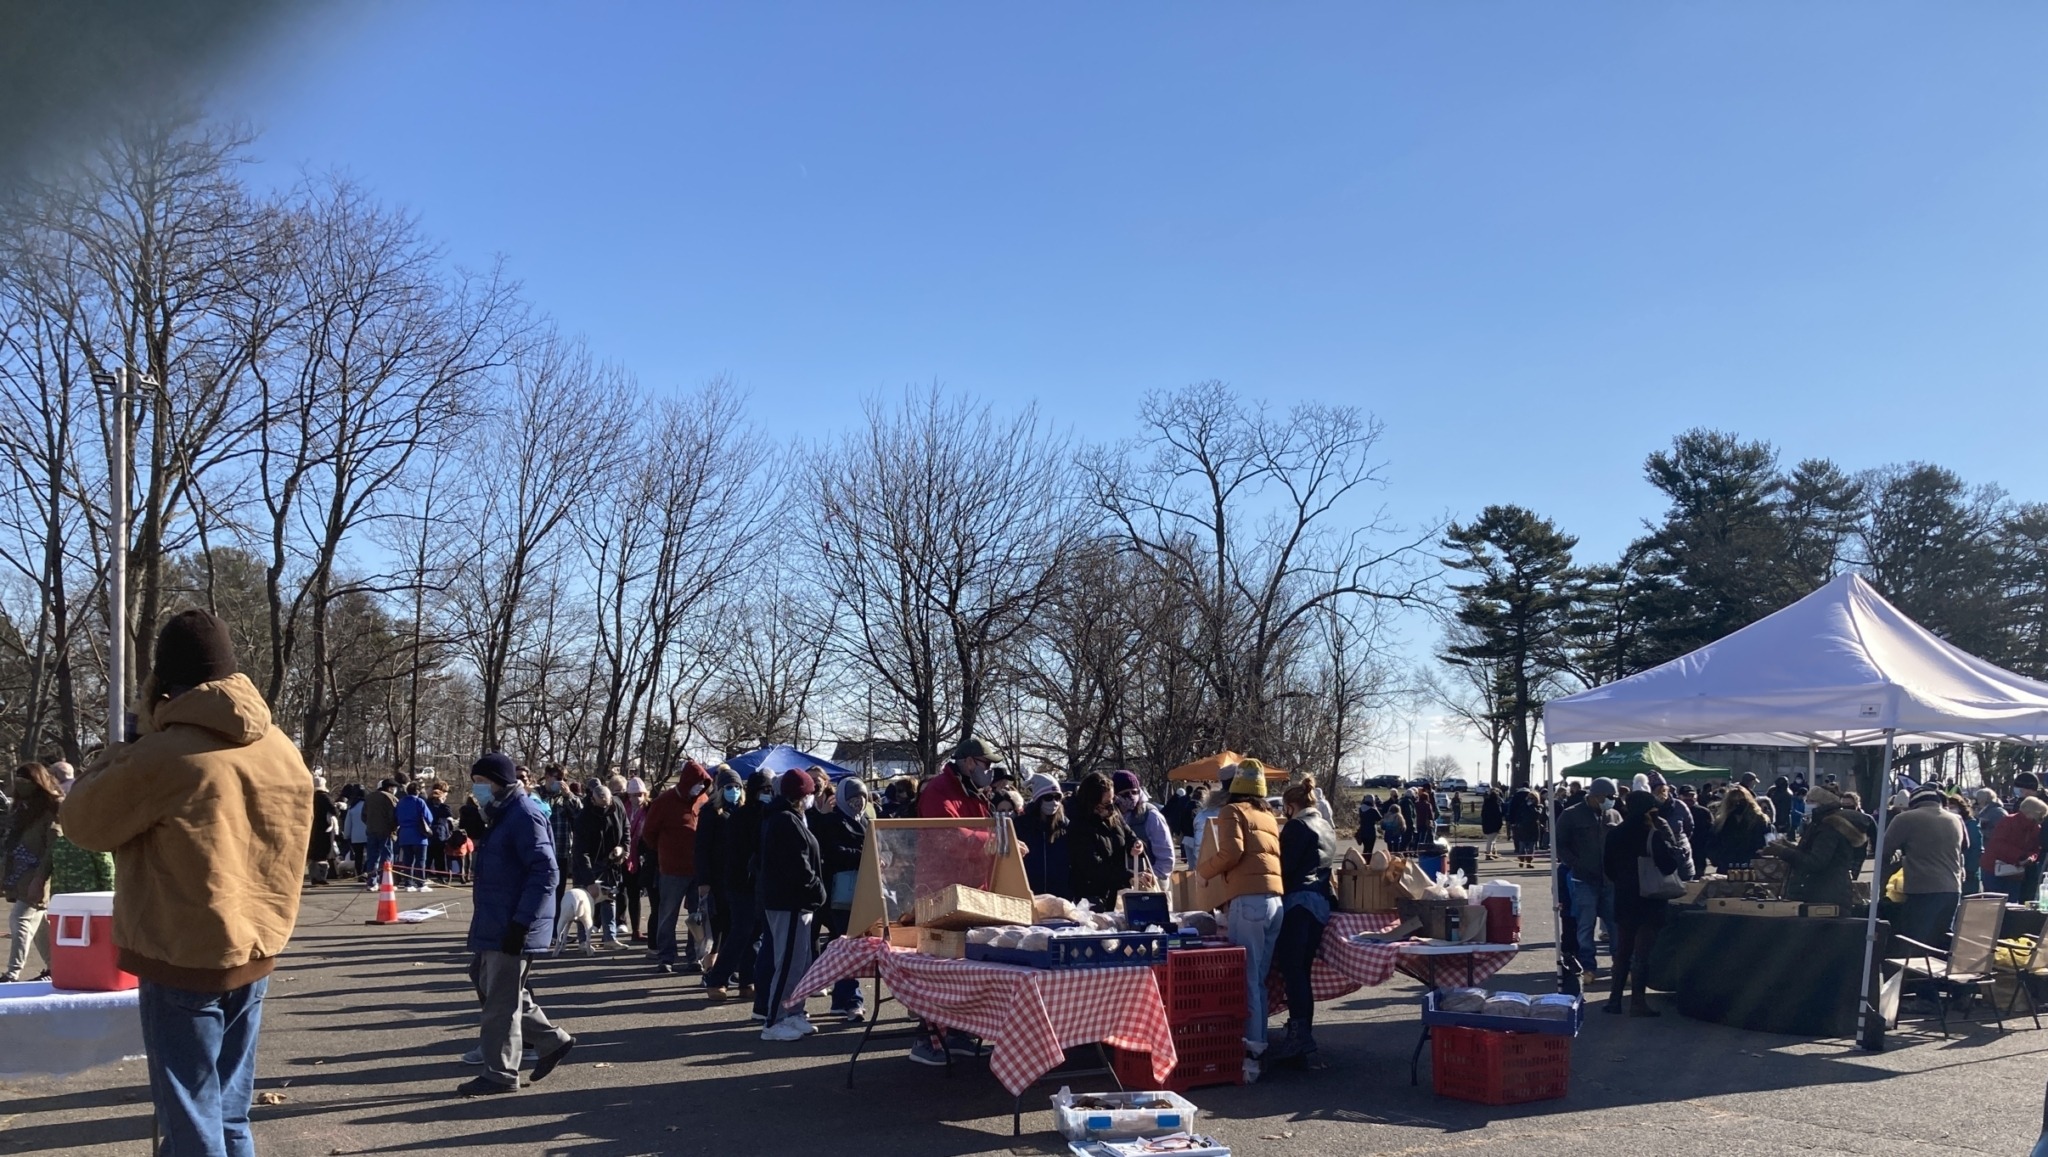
point(202, 1066)
point(1588, 899)
point(411, 859)
point(380, 855)
point(845, 993)
point(1255, 927)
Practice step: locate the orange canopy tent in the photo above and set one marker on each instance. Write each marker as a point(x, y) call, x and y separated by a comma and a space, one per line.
point(1209, 769)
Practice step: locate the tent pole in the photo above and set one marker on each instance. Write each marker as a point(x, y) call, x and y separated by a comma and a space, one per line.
point(1550, 854)
point(1870, 1029)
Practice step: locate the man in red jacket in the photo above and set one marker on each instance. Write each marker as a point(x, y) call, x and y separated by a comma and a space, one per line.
point(950, 856)
point(672, 830)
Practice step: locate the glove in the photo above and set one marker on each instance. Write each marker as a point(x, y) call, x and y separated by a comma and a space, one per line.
point(514, 943)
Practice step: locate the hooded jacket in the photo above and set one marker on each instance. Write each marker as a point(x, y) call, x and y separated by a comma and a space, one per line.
point(1825, 860)
point(1492, 813)
point(792, 870)
point(380, 814)
point(208, 814)
point(1582, 839)
point(672, 821)
point(1098, 859)
point(2017, 838)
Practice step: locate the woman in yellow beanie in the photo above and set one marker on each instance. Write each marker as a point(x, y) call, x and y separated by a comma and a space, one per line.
point(1247, 857)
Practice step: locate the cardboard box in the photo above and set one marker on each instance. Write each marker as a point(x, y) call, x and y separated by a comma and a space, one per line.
point(1456, 921)
point(942, 943)
point(959, 908)
point(1360, 889)
point(902, 936)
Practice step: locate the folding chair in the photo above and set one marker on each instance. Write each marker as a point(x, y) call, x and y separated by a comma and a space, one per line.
point(2030, 956)
point(1969, 965)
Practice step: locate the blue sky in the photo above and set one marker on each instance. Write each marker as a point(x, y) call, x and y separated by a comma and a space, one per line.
point(1535, 240)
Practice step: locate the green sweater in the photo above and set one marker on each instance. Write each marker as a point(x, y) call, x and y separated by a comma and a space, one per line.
point(73, 869)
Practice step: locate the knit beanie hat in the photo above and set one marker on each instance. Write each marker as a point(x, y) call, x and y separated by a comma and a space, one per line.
point(1250, 779)
point(1039, 786)
point(797, 784)
point(496, 767)
point(193, 648)
point(1123, 781)
point(1820, 797)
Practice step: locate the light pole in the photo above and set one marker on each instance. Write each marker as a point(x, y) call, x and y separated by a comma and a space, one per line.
point(117, 551)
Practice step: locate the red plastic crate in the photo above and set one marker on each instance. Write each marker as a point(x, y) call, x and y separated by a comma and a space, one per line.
point(1211, 1053)
point(1499, 1068)
point(1202, 984)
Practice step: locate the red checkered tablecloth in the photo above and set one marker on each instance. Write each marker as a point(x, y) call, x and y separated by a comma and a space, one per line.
point(1031, 1016)
point(1343, 966)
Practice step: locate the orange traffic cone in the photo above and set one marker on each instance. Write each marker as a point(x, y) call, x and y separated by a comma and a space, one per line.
point(387, 898)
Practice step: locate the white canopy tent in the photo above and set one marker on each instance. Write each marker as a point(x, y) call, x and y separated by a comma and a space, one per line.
point(1839, 667)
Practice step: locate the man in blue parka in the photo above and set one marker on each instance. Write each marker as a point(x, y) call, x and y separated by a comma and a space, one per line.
point(512, 915)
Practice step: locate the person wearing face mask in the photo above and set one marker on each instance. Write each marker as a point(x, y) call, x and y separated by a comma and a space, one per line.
point(601, 855)
point(1643, 832)
point(714, 825)
point(1739, 829)
point(1581, 851)
point(740, 846)
point(1244, 861)
point(1099, 845)
point(1146, 822)
point(511, 918)
point(952, 856)
point(791, 889)
point(563, 808)
point(841, 830)
point(642, 875)
point(1042, 829)
point(671, 829)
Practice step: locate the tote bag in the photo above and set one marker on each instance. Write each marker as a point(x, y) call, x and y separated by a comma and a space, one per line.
point(1653, 883)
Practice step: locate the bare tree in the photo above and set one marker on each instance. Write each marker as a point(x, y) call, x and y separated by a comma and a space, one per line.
point(1239, 509)
point(553, 441)
point(381, 363)
point(938, 526)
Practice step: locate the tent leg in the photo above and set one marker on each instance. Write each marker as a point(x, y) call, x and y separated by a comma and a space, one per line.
point(1870, 1029)
point(1550, 856)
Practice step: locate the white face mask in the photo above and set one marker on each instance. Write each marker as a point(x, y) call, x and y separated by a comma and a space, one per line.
point(763, 796)
point(1606, 804)
point(809, 800)
point(1049, 807)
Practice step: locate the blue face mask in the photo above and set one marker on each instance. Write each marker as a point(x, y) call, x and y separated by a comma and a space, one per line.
point(731, 796)
point(482, 792)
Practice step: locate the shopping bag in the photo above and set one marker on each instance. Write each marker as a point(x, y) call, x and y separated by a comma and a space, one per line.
point(1653, 883)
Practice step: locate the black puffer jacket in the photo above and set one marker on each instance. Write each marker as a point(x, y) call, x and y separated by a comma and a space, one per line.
point(792, 869)
point(840, 837)
point(1098, 860)
point(1308, 849)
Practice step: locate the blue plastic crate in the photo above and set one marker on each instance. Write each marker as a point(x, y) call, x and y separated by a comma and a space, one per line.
point(1433, 1015)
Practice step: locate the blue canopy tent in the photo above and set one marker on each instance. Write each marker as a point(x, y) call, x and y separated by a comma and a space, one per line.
point(782, 757)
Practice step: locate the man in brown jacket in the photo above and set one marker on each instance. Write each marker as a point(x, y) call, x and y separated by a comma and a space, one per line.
point(1246, 861)
point(207, 814)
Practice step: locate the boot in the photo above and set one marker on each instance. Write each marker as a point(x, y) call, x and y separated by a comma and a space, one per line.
point(1288, 1047)
point(1639, 1005)
point(1615, 990)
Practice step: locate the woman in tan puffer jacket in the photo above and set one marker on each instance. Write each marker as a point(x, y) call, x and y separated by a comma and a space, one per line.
point(1246, 857)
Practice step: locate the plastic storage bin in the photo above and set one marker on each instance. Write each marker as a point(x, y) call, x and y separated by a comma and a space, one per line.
point(1211, 1053)
point(1199, 983)
point(82, 953)
point(1499, 1068)
point(1121, 1123)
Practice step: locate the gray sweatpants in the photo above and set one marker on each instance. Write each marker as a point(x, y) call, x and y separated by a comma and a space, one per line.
point(511, 1018)
point(790, 933)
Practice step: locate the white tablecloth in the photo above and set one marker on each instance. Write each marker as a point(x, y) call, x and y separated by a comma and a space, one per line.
point(44, 1032)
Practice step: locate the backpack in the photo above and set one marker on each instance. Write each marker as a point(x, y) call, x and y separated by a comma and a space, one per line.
point(20, 866)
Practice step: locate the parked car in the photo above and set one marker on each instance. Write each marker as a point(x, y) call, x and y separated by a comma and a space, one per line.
point(1454, 783)
point(1382, 782)
point(1421, 781)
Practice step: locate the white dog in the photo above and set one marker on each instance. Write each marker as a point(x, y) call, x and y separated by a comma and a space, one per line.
point(573, 914)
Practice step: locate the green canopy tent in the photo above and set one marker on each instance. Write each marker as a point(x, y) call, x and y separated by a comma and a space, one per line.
point(1624, 761)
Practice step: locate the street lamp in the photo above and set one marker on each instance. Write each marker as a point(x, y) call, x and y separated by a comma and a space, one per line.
point(117, 551)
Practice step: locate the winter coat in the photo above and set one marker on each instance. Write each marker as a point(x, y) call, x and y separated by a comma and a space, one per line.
point(1247, 855)
point(1825, 860)
point(1180, 815)
point(209, 814)
point(1737, 840)
point(380, 815)
point(739, 845)
point(714, 825)
point(471, 820)
point(415, 822)
point(1525, 816)
point(1492, 814)
point(2016, 840)
point(1929, 839)
point(73, 869)
point(353, 830)
point(321, 846)
point(950, 855)
point(1623, 846)
point(1098, 860)
point(1045, 857)
point(598, 831)
point(1156, 841)
point(1582, 838)
point(792, 869)
point(840, 839)
point(1781, 808)
point(36, 835)
point(673, 819)
point(1308, 852)
point(1368, 828)
point(515, 872)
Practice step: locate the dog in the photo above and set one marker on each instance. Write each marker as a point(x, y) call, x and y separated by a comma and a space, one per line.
point(574, 913)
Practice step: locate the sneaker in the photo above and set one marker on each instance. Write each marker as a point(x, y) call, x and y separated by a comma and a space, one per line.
point(854, 1013)
point(483, 1086)
point(1251, 1070)
point(665, 968)
point(546, 1064)
point(718, 992)
point(589, 948)
point(760, 1017)
point(962, 1045)
point(426, 887)
point(803, 1022)
point(9, 977)
point(475, 1056)
point(786, 1029)
point(925, 1052)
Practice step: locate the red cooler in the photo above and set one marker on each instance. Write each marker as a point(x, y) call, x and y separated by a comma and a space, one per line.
point(82, 954)
point(1503, 922)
